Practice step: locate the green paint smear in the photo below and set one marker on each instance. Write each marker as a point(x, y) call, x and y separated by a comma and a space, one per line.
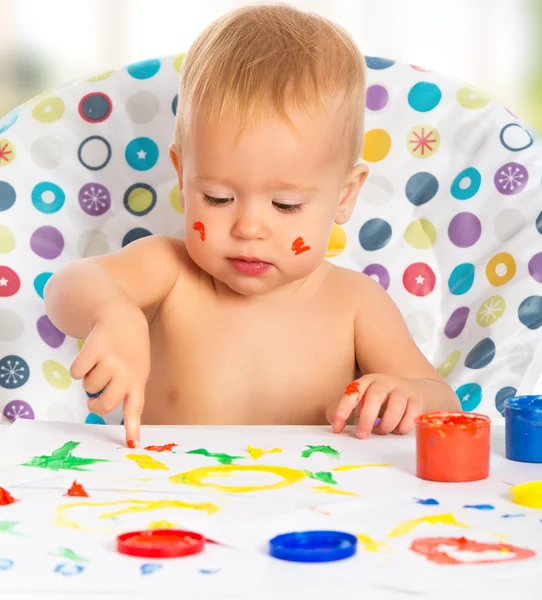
point(9, 526)
point(223, 459)
point(323, 449)
point(70, 555)
point(324, 476)
point(62, 458)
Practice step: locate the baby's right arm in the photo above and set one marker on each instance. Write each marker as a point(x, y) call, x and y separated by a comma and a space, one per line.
point(103, 301)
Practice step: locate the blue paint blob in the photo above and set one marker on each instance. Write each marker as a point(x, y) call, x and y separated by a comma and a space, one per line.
point(511, 516)
point(69, 569)
point(209, 571)
point(480, 506)
point(150, 568)
point(427, 501)
point(523, 425)
point(461, 279)
point(6, 564)
point(481, 355)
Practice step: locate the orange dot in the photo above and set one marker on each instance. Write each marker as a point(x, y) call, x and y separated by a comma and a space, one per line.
point(376, 145)
point(337, 241)
point(501, 269)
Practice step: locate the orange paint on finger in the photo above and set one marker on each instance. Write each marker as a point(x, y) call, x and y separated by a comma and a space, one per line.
point(298, 246)
point(77, 490)
point(131, 444)
point(352, 388)
point(199, 226)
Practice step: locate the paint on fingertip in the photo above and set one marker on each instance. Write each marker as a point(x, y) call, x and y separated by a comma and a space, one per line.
point(131, 444)
point(199, 226)
point(352, 388)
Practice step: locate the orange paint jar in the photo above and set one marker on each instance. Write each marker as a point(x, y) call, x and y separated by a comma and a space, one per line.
point(452, 446)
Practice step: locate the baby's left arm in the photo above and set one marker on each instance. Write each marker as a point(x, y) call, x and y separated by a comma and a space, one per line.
point(399, 383)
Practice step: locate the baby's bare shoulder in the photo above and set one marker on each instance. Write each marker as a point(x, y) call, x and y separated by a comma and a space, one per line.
point(353, 283)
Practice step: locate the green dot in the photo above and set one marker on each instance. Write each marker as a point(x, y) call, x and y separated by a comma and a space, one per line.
point(48, 110)
point(7, 241)
point(421, 234)
point(448, 364)
point(139, 200)
point(56, 375)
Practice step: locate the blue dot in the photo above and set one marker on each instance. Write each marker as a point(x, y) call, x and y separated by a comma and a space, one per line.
point(8, 195)
point(14, 372)
point(530, 312)
point(504, 394)
point(143, 209)
point(481, 355)
point(135, 234)
point(144, 69)
point(421, 188)
point(461, 279)
point(374, 234)
point(42, 200)
point(93, 419)
point(470, 396)
point(142, 154)
point(40, 281)
point(538, 221)
point(466, 184)
point(8, 121)
point(528, 143)
point(424, 96)
point(175, 104)
point(377, 63)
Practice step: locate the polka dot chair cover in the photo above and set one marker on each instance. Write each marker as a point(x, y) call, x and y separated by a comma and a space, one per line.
point(449, 222)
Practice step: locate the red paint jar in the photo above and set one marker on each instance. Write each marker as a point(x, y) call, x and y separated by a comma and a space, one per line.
point(452, 446)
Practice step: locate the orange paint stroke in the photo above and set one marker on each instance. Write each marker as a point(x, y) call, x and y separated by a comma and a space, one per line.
point(430, 548)
point(164, 448)
point(352, 388)
point(298, 246)
point(77, 490)
point(6, 498)
point(199, 226)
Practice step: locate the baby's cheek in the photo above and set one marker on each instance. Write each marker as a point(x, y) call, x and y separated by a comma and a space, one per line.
point(299, 246)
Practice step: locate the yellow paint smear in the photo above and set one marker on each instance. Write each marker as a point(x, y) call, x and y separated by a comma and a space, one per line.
point(138, 506)
point(369, 544)
point(444, 519)
point(257, 453)
point(329, 489)
point(161, 525)
point(196, 476)
point(352, 467)
point(528, 494)
point(147, 462)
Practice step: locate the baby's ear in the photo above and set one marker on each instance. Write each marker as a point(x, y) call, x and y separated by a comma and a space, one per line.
point(355, 178)
point(176, 160)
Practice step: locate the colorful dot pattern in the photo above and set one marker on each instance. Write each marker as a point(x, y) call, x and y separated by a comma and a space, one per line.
point(448, 222)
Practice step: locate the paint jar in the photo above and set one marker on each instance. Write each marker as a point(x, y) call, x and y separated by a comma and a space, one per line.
point(452, 446)
point(523, 421)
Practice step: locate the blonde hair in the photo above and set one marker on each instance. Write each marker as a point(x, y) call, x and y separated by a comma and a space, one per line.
point(274, 57)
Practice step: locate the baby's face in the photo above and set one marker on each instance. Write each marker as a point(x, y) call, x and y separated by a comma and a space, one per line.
point(259, 208)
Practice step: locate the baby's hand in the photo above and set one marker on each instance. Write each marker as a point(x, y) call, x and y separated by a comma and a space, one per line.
point(401, 397)
point(116, 356)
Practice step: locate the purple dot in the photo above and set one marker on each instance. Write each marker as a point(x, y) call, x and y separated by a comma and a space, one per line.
point(18, 409)
point(379, 273)
point(511, 178)
point(377, 97)
point(464, 230)
point(94, 199)
point(52, 336)
point(535, 267)
point(47, 242)
point(457, 321)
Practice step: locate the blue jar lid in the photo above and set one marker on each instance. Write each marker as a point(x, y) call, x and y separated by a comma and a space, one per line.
point(524, 403)
point(313, 546)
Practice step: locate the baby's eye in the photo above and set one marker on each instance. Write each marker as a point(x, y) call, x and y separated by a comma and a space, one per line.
point(288, 208)
point(216, 201)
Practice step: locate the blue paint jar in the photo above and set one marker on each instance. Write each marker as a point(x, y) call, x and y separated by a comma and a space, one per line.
point(523, 419)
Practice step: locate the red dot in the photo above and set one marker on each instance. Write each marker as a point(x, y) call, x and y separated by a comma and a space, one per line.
point(9, 282)
point(419, 279)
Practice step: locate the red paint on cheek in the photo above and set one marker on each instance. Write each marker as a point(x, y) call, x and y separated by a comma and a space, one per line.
point(352, 388)
point(6, 498)
point(430, 548)
point(77, 490)
point(298, 246)
point(199, 226)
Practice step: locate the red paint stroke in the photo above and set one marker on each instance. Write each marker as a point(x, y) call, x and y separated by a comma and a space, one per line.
point(199, 226)
point(164, 448)
point(352, 388)
point(6, 498)
point(131, 444)
point(77, 490)
point(429, 547)
point(298, 247)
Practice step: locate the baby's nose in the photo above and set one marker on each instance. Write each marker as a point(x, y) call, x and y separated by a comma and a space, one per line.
point(249, 226)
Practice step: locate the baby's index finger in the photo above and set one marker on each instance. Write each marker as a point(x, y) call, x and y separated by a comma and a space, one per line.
point(133, 408)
